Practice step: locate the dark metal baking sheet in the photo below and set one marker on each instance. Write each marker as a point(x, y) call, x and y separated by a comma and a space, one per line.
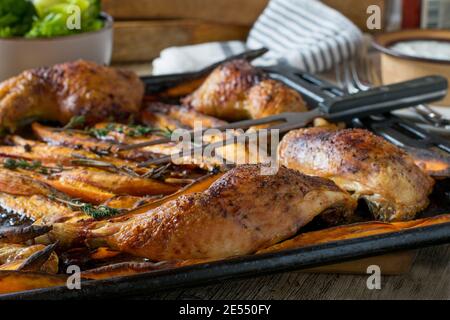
point(255, 265)
point(247, 266)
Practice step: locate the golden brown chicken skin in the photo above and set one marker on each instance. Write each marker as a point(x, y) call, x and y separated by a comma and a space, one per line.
point(236, 90)
point(362, 163)
point(240, 213)
point(70, 89)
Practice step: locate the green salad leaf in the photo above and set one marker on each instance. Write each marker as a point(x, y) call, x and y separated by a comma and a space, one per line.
point(53, 17)
point(16, 17)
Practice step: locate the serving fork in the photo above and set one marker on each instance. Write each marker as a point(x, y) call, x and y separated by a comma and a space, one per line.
point(347, 75)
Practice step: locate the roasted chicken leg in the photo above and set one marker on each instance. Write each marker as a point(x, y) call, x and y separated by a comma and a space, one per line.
point(240, 213)
point(366, 165)
point(69, 89)
point(236, 91)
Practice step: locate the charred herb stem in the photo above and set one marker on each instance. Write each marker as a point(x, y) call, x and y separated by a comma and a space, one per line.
point(97, 212)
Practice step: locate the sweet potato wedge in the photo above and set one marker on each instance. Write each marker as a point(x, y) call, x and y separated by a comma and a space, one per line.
point(13, 281)
point(352, 231)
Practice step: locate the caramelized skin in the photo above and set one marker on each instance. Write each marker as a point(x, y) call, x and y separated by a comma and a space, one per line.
point(69, 89)
point(240, 213)
point(236, 91)
point(362, 163)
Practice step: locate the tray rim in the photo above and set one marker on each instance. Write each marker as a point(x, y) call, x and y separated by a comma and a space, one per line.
point(246, 266)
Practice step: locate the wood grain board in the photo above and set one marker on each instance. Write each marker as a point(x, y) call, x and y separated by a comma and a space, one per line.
point(240, 12)
point(144, 40)
point(237, 12)
point(428, 279)
point(390, 264)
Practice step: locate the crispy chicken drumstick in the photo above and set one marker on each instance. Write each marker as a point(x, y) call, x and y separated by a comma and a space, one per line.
point(240, 213)
point(236, 90)
point(362, 163)
point(69, 89)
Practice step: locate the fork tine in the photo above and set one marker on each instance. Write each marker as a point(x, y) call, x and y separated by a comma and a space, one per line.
point(234, 125)
point(162, 160)
point(214, 145)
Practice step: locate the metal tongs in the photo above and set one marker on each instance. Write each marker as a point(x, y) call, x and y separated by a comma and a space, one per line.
point(371, 102)
point(322, 99)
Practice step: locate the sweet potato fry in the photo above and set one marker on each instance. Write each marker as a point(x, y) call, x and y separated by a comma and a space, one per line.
point(39, 208)
point(44, 260)
point(157, 114)
point(357, 230)
point(74, 138)
point(116, 183)
point(124, 269)
point(59, 155)
point(37, 258)
point(86, 142)
point(14, 281)
point(17, 183)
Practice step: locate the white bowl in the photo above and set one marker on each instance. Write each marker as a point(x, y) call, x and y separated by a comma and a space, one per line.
point(19, 54)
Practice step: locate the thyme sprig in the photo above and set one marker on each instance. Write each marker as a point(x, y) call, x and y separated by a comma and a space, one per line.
point(97, 212)
point(13, 164)
point(75, 122)
point(131, 130)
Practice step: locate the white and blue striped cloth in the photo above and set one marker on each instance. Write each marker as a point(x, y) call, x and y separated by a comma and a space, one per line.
point(305, 34)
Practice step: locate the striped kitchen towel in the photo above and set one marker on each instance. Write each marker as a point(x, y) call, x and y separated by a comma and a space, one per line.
point(305, 34)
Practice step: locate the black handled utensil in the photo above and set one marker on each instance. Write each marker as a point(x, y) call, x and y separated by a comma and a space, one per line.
point(156, 84)
point(371, 102)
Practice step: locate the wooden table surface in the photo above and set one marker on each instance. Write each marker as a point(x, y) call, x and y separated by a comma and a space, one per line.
point(429, 277)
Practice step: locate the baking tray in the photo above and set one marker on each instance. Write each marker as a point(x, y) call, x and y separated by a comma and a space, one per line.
point(247, 266)
point(313, 89)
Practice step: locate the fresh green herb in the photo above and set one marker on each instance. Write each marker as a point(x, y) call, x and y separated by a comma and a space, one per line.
point(130, 131)
point(35, 165)
point(13, 164)
point(16, 17)
point(53, 16)
point(75, 122)
point(48, 18)
point(166, 132)
point(139, 131)
point(98, 133)
point(97, 212)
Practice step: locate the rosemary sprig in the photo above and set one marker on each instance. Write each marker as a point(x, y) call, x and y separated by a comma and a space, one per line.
point(97, 212)
point(75, 122)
